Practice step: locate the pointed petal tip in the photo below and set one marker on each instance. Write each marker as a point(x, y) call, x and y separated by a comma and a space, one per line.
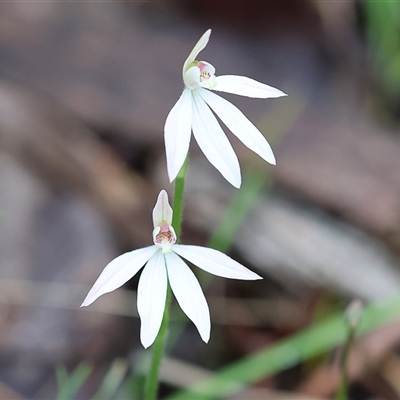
point(276, 94)
point(172, 176)
point(236, 182)
point(205, 336)
point(86, 303)
point(252, 276)
point(270, 158)
point(146, 345)
point(236, 185)
point(280, 93)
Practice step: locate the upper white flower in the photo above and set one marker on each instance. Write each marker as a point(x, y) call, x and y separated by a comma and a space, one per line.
point(193, 112)
point(163, 263)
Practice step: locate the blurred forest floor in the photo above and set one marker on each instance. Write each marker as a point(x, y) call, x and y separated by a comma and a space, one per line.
point(84, 92)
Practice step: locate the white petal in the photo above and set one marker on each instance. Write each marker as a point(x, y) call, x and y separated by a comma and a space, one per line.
point(177, 132)
point(191, 78)
point(162, 210)
point(151, 295)
point(213, 141)
point(188, 293)
point(240, 126)
point(214, 262)
point(119, 271)
point(244, 86)
point(200, 45)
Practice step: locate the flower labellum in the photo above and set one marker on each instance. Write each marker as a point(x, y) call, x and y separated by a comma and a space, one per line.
point(163, 263)
point(194, 112)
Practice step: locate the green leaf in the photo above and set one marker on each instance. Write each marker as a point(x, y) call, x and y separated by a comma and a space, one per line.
point(315, 340)
point(68, 386)
point(112, 381)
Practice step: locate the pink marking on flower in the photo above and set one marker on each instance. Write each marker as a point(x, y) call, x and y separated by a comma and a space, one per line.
point(165, 235)
point(206, 71)
point(203, 66)
point(164, 228)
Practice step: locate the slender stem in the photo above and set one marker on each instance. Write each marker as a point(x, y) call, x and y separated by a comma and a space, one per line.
point(178, 199)
point(342, 393)
point(159, 344)
point(158, 351)
point(352, 317)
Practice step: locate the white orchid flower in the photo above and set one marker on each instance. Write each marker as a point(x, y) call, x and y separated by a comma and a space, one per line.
point(193, 112)
point(163, 264)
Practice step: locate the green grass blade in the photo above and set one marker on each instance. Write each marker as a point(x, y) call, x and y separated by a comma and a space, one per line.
point(240, 205)
point(112, 381)
point(68, 386)
point(312, 341)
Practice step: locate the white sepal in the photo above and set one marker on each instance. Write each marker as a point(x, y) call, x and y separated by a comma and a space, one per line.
point(118, 272)
point(199, 46)
point(213, 141)
point(162, 211)
point(243, 86)
point(189, 294)
point(177, 131)
point(215, 262)
point(151, 295)
point(238, 123)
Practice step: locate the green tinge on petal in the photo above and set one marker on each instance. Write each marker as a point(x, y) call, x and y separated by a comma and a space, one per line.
point(162, 211)
point(200, 45)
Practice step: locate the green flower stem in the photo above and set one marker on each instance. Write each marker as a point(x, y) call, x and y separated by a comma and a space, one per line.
point(178, 199)
point(158, 351)
point(159, 344)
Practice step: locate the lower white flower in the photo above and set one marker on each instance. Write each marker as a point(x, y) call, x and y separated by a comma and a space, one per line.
point(163, 264)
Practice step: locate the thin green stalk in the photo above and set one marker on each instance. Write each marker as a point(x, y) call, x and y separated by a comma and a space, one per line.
point(352, 317)
point(342, 393)
point(158, 352)
point(178, 199)
point(159, 344)
point(244, 199)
